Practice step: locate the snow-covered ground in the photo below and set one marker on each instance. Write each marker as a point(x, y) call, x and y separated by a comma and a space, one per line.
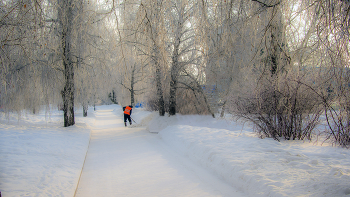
point(259, 167)
point(39, 157)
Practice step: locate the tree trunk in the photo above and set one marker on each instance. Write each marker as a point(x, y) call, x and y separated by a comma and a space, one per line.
point(132, 83)
point(80, 52)
point(176, 66)
point(172, 99)
point(174, 74)
point(66, 17)
point(160, 97)
point(173, 84)
point(85, 109)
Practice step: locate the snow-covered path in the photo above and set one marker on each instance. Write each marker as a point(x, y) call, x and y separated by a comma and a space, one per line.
point(134, 162)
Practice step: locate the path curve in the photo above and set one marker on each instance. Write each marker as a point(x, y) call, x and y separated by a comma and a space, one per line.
point(133, 162)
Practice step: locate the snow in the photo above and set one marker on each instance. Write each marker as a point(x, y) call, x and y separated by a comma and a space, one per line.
point(39, 157)
point(190, 155)
point(133, 162)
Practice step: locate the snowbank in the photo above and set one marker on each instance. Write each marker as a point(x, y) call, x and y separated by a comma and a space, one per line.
point(259, 167)
point(39, 157)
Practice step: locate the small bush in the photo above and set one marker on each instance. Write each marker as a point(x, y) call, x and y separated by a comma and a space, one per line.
point(280, 109)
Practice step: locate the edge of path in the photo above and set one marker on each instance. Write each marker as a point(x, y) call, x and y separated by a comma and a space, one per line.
point(82, 168)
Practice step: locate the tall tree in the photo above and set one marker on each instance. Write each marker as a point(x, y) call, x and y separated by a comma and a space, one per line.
point(150, 33)
point(65, 17)
point(182, 45)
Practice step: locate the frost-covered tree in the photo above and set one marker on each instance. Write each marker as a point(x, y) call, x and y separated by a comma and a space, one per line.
point(328, 25)
point(183, 47)
point(66, 15)
point(27, 58)
point(149, 33)
point(45, 46)
point(96, 54)
point(134, 73)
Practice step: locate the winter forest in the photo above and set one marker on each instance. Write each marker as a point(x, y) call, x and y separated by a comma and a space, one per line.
point(282, 65)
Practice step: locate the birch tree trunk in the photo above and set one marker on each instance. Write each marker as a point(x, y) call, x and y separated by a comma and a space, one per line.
point(157, 29)
point(152, 17)
point(175, 66)
point(132, 84)
point(173, 81)
point(65, 19)
point(80, 53)
point(160, 97)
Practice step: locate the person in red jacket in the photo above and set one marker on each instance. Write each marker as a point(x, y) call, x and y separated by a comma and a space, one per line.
point(127, 113)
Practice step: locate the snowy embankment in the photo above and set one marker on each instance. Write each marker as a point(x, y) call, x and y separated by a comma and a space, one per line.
point(38, 157)
point(258, 167)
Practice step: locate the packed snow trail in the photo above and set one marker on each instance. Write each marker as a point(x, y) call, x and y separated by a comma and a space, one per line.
point(133, 162)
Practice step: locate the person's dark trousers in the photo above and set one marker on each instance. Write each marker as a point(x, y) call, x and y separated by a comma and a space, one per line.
point(127, 117)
